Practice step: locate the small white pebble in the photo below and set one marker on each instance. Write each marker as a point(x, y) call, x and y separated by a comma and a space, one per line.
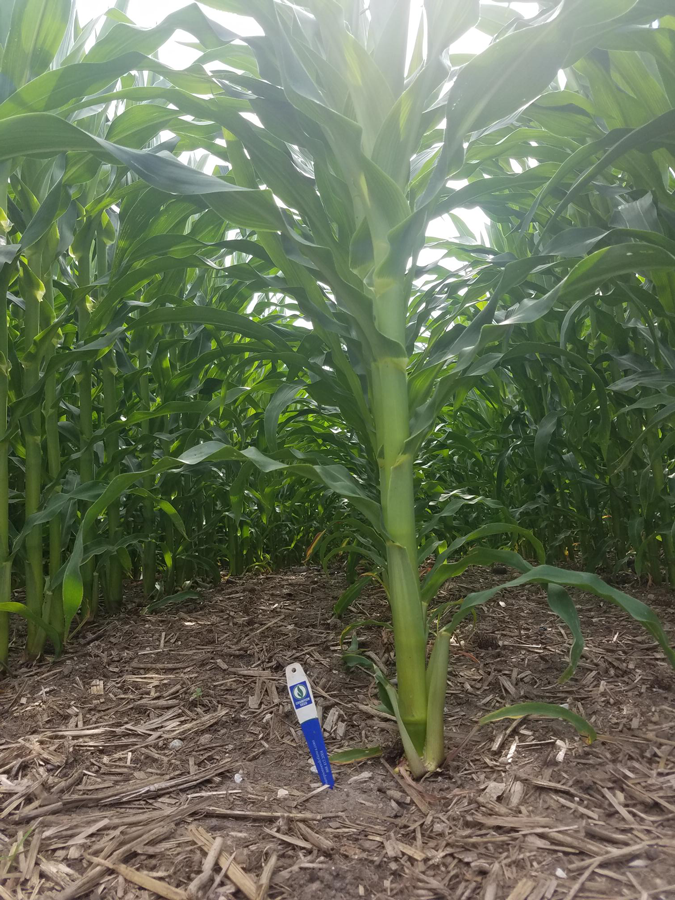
point(314, 770)
point(560, 874)
point(238, 778)
point(175, 745)
point(281, 793)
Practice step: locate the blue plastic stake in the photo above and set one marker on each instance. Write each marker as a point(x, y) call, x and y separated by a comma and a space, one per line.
point(305, 709)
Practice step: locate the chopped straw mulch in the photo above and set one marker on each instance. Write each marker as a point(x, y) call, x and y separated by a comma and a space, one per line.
point(160, 758)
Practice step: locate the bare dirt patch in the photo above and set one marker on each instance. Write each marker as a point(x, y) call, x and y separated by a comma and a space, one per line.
point(155, 734)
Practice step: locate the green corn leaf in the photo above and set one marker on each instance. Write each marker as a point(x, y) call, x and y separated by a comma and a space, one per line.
point(545, 711)
point(219, 318)
point(170, 510)
point(22, 610)
point(663, 416)
point(542, 439)
point(585, 581)
point(526, 348)
point(499, 528)
point(56, 505)
point(237, 489)
point(509, 74)
point(562, 605)
point(482, 556)
point(355, 550)
point(124, 38)
point(35, 33)
point(448, 20)
point(352, 593)
point(417, 766)
point(648, 136)
point(460, 498)
point(574, 242)
point(592, 272)
point(583, 16)
point(48, 211)
point(357, 754)
point(370, 93)
point(283, 398)
point(42, 133)
point(59, 87)
point(363, 623)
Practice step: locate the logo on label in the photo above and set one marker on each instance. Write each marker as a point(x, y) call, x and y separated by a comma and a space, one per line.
point(300, 694)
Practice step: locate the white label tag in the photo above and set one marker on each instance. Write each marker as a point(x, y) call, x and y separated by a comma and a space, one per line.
point(301, 693)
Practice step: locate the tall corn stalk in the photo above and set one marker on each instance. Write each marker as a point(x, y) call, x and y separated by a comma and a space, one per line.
point(5, 563)
point(32, 291)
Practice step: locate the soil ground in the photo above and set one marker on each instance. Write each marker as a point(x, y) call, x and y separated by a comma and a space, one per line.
point(154, 735)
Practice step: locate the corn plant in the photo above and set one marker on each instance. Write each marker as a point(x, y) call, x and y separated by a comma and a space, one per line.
point(350, 147)
point(353, 147)
point(341, 136)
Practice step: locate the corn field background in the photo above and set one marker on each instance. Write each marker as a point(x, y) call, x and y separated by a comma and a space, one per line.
point(237, 296)
point(326, 339)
